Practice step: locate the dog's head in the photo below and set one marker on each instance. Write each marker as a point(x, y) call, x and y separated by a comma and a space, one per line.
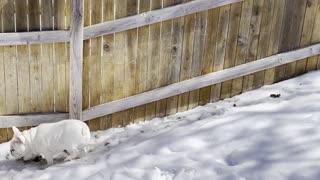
point(17, 144)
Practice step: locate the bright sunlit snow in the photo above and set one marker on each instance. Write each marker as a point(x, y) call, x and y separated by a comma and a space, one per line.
point(252, 136)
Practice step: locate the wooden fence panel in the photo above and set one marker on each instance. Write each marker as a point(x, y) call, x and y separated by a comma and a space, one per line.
point(47, 68)
point(107, 62)
point(253, 41)
point(224, 17)
point(187, 52)
point(242, 44)
point(233, 30)
point(307, 29)
point(209, 52)
point(95, 63)
point(10, 64)
point(61, 57)
point(141, 63)
point(165, 51)
point(277, 21)
point(313, 62)
point(3, 131)
point(265, 32)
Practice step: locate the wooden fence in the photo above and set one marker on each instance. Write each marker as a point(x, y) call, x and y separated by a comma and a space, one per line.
point(145, 58)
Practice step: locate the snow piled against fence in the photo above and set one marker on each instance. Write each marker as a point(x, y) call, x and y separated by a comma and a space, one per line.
point(251, 136)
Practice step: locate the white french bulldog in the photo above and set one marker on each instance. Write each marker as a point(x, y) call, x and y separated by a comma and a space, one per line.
point(50, 139)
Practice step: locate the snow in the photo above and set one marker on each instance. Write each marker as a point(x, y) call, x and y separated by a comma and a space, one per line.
point(251, 136)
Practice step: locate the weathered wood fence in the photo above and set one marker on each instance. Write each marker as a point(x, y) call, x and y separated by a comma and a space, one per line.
point(140, 59)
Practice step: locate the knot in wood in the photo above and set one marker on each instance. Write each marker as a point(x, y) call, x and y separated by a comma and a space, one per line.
point(106, 47)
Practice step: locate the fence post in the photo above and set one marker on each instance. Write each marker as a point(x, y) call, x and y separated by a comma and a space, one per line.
point(76, 60)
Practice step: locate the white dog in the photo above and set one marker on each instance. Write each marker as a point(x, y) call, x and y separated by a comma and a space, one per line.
point(50, 139)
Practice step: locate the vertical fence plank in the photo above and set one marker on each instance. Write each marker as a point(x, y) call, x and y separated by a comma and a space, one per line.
point(165, 57)
point(308, 25)
point(10, 63)
point(153, 60)
point(35, 59)
point(187, 52)
point(198, 51)
point(131, 59)
point(141, 66)
point(23, 69)
point(242, 44)
point(47, 58)
point(176, 57)
point(253, 41)
point(95, 63)
point(224, 17)
point(107, 62)
point(3, 131)
point(312, 61)
point(76, 59)
point(277, 21)
point(209, 52)
point(265, 32)
point(86, 58)
point(230, 56)
point(290, 35)
point(119, 59)
point(60, 55)
point(296, 29)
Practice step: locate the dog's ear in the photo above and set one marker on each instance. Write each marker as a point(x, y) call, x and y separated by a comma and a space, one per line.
point(18, 137)
point(16, 131)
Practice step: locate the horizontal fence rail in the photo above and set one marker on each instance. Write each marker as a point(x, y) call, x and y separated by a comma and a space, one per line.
point(153, 17)
point(31, 119)
point(36, 37)
point(200, 82)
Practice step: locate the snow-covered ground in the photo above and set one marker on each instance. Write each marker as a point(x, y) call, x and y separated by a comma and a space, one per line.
point(251, 136)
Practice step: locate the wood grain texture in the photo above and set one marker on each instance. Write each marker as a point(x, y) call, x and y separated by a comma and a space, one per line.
point(153, 17)
point(47, 58)
point(37, 37)
point(201, 81)
point(61, 57)
point(176, 57)
point(10, 64)
point(264, 37)
point(141, 63)
point(313, 62)
point(296, 27)
point(23, 67)
point(76, 60)
point(222, 34)
point(253, 41)
point(3, 131)
point(277, 21)
point(107, 62)
point(86, 58)
point(35, 59)
point(187, 52)
point(209, 52)
point(119, 65)
point(131, 60)
point(153, 59)
point(242, 44)
point(31, 119)
point(290, 35)
point(165, 52)
point(95, 63)
point(234, 23)
point(309, 19)
point(198, 54)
